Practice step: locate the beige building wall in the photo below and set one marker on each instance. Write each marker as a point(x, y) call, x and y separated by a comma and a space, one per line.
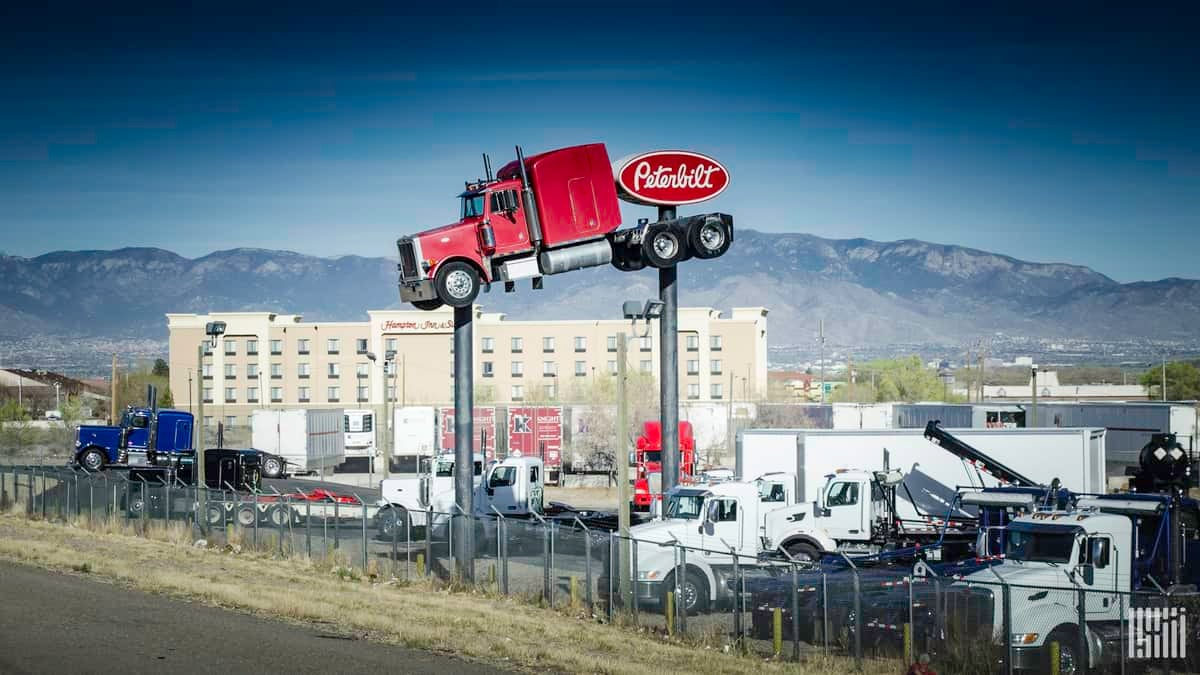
point(278, 360)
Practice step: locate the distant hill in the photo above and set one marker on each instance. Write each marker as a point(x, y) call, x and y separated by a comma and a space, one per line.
point(868, 292)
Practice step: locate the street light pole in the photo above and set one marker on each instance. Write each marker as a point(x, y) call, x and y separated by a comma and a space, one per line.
point(1164, 377)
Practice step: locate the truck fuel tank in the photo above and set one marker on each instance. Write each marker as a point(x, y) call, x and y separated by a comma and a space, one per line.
point(589, 254)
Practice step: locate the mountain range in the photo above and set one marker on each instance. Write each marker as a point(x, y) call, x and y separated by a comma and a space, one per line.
point(868, 292)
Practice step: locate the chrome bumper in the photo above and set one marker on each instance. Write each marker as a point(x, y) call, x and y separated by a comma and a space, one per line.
point(411, 291)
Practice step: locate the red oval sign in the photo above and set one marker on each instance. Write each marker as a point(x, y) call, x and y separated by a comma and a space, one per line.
point(670, 177)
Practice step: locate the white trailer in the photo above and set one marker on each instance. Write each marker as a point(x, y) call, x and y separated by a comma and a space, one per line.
point(414, 430)
point(862, 415)
point(310, 441)
point(359, 427)
point(932, 475)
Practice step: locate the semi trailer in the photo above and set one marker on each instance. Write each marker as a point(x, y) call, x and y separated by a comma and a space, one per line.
point(308, 441)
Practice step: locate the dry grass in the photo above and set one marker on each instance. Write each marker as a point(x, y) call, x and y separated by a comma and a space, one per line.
point(467, 623)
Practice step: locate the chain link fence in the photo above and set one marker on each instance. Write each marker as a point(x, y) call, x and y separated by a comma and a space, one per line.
point(710, 597)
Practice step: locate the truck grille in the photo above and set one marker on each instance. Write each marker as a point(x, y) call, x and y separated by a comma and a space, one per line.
point(969, 613)
point(408, 260)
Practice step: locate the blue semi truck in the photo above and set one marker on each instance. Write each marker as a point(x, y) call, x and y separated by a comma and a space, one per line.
point(142, 435)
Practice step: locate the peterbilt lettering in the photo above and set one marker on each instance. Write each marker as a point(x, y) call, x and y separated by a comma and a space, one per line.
point(557, 212)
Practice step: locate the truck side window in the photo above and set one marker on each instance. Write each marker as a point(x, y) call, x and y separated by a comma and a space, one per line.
point(843, 494)
point(726, 511)
point(139, 422)
point(503, 476)
point(771, 492)
point(533, 475)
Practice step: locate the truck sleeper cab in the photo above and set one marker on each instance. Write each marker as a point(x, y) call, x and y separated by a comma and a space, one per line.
point(143, 437)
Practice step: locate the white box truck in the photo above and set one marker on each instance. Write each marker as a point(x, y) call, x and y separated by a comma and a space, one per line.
point(310, 441)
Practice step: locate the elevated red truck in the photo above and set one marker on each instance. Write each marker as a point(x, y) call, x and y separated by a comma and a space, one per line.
point(546, 214)
point(648, 457)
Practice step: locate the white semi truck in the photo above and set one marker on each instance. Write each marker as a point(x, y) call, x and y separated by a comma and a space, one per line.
point(512, 487)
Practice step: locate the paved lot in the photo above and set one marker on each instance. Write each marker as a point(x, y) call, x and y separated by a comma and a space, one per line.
point(52, 623)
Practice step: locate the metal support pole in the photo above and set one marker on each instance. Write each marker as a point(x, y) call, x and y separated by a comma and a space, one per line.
point(633, 552)
point(795, 612)
point(365, 558)
point(464, 436)
point(307, 527)
point(547, 586)
point(429, 540)
point(737, 598)
point(622, 459)
point(337, 526)
point(587, 550)
point(1082, 646)
point(668, 330)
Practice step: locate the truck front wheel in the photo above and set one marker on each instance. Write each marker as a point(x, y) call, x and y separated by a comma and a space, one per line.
point(92, 459)
point(709, 238)
point(1068, 651)
point(457, 283)
point(272, 467)
point(663, 246)
point(693, 592)
point(803, 552)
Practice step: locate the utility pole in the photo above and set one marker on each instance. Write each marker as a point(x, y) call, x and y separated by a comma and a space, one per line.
point(821, 357)
point(668, 338)
point(112, 393)
point(1164, 377)
point(979, 392)
point(622, 461)
point(1034, 384)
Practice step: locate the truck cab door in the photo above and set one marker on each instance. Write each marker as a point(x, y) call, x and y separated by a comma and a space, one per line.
point(1098, 575)
point(535, 489)
point(507, 220)
point(845, 503)
point(501, 487)
point(723, 524)
point(183, 436)
point(138, 434)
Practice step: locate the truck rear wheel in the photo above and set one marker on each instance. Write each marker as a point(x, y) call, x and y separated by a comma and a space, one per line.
point(628, 258)
point(803, 551)
point(663, 246)
point(457, 283)
point(392, 522)
point(709, 238)
point(92, 459)
point(214, 514)
point(272, 467)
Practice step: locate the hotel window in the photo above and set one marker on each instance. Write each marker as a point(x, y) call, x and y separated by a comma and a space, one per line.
point(231, 394)
point(581, 368)
point(389, 344)
point(693, 391)
point(362, 370)
point(489, 369)
point(305, 394)
point(715, 367)
point(549, 369)
point(718, 391)
point(302, 346)
point(714, 343)
point(518, 345)
point(693, 367)
point(206, 371)
point(252, 370)
point(360, 345)
point(612, 343)
point(581, 344)
point(252, 347)
point(230, 347)
point(645, 366)
point(335, 370)
point(276, 371)
point(252, 395)
point(518, 392)
point(208, 420)
point(547, 344)
point(334, 394)
point(276, 394)
point(208, 394)
point(518, 369)
point(276, 347)
point(489, 345)
point(647, 343)
point(332, 345)
point(362, 394)
point(230, 371)
point(550, 390)
point(230, 421)
point(693, 343)
point(302, 370)
point(612, 367)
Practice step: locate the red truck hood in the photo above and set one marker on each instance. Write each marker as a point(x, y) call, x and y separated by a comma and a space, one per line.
point(468, 224)
point(457, 240)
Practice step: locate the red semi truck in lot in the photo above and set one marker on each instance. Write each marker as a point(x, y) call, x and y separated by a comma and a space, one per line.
point(647, 486)
point(546, 214)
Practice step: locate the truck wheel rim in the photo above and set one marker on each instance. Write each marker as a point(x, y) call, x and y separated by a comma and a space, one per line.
point(458, 284)
point(666, 246)
point(92, 460)
point(690, 594)
point(712, 237)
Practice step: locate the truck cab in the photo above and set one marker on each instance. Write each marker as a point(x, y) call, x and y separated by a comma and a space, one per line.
point(144, 437)
point(647, 456)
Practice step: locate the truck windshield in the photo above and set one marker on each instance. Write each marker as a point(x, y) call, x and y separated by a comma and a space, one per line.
point(686, 507)
point(654, 456)
point(472, 206)
point(1040, 546)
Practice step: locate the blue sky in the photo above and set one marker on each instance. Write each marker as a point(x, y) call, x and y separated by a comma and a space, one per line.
point(1069, 136)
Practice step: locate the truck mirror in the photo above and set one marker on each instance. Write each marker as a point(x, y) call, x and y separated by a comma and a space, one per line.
point(1089, 574)
point(632, 458)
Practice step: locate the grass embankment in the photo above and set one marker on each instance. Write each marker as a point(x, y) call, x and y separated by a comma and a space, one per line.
point(500, 631)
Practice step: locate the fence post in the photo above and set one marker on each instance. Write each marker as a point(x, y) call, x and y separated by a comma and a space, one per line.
point(612, 571)
point(366, 553)
point(547, 586)
point(737, 597)
point(857, 613)
point(407, 545)
point(1123, 628)
point(43, 494)
point(795, 612)
point(501, 550)
point(910, 628)
point(145, 505)
point(587, 550)
point(679, 582)
point(307, 525)
point(428, 541)
point(337, 525)
point(1081, 645)
point(395, 536)
point(633, 577)
point(285, 516)
point(776, 632)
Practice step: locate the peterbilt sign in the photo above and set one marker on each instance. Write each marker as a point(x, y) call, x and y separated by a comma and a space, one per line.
point(669, 177)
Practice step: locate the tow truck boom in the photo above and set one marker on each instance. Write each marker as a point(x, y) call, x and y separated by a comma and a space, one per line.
point(934, 433)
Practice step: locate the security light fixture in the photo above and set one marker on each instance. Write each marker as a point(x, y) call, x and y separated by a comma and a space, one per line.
point(371, 356)
point(633, 309)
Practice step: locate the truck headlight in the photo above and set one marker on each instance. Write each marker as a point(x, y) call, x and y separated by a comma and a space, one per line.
point(1024, 638)
point(648, 576)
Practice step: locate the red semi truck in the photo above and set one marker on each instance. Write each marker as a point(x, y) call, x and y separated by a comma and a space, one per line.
point(541, 215)
point(648, 457)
